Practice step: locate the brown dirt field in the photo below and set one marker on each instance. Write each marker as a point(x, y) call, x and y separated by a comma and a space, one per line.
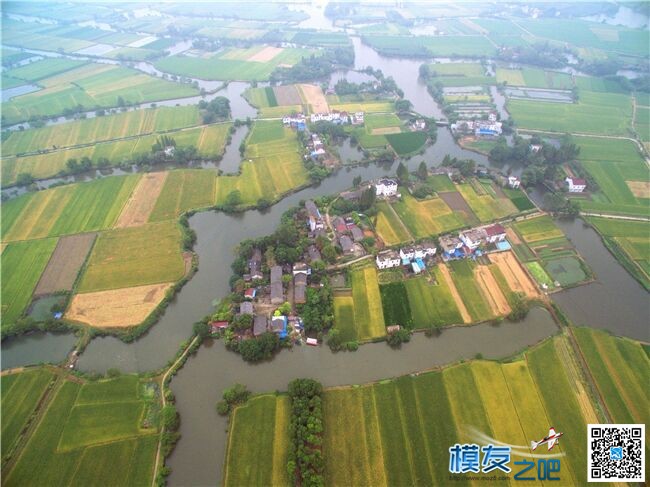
point(265, 55)
point(116, 308)
point(314, 96)
point(467, 318)
point(386, 131)
point(287, 95)
point(495, 298)
point(515, 275)
point(512, 236)
point(137, 209)
point(66, 260)
point(456, 202)
point(640, 189)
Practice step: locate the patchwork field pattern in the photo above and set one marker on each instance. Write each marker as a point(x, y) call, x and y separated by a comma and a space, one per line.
point(272, 166)
point(92, 85)
point(183, 190)
point(20, 396)
point(209, 140)
point(514, 274)
point(427, 217)
point(69, 209)
point(398, 432)
point(612, 164)
point(433, 304)
point(97, 129)
point(232, 64)
point(65, 263)
point(388, 225)
point(620, 368)
point(594, 113)
point(91, 432)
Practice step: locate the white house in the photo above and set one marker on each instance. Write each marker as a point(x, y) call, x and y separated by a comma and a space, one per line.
point(535, 147)
point(495, 233)
point(473, 237)
point(358, 118)
point(314, 219)
point(301, 268)
point(407, 253)
point(575, 185)
point(424, 249)
point(492, 117)
point(387, 259)
point(386, 187)
point(514, 182)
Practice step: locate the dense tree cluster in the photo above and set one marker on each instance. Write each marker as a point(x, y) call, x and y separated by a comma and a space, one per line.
point(317, 312)
point(255, 349)
point(541, 54)
point(397, 338)
point(233, 396)
point(541, 165)
point(315, 67)
point(305, 463)
point(214, 110)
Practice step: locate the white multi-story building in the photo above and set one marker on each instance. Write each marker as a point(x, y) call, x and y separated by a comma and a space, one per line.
point(514, 182)
point(386, 187)
point(575, 185)
point(387, 259)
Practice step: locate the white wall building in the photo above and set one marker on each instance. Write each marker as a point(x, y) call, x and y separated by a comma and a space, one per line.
point(575, 185)
point(386, 187)
point(387, 259)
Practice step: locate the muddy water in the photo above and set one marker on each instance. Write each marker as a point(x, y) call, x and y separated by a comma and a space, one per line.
point(36, 348)
point(203, 432)
point(616, 301)
point(405, 72)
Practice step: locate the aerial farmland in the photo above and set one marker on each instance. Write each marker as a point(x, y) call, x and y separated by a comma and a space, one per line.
point(324, 243)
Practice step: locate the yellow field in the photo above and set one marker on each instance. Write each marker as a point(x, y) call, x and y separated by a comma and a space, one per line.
point(513, 77)
point(140, 205)
point(40, 214)
point(367, 107)
point(117, 307)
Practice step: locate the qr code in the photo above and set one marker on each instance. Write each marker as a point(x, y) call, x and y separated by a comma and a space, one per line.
point(616, 453)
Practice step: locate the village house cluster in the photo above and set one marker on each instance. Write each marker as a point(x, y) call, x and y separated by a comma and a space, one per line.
point(349, 236)
point(470, 243)
point(264, 302)
point(489, 127)
point(338, 118)
point(413, 257)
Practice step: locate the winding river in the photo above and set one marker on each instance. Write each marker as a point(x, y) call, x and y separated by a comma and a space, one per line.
point(199, 455)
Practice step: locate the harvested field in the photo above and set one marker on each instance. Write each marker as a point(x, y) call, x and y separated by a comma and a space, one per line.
point(62, 269)
point(314, 96)
point(140, 205)
point(516, 277)
point(117, 307)
point(456, 202)
point(266, 54)
point(444, 271)
point(640, 189)
point(386, 131)
point(512, 236)
point(493, 295)
point(287, 95)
